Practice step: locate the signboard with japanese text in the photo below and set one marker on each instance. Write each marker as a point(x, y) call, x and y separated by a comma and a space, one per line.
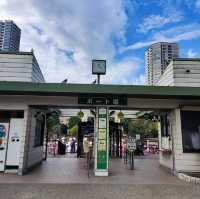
point(102, 100)
point(102, 148)
point(131, 143)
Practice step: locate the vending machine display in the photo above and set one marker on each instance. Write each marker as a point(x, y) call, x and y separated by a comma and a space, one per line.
point(4, 129)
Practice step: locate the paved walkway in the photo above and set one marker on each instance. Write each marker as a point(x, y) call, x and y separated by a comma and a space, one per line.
point(67, 178)
point(73, 170)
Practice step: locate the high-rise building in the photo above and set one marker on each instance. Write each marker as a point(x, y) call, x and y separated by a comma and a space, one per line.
point(157, 58)
point(9, 36)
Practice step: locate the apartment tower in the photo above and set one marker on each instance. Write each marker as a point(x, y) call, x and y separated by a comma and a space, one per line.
point(157, 58)
point(9, 36)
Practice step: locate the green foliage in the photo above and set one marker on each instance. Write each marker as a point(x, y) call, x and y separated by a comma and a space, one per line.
point(148, 130)
point(75, 120)
point(53, 118)
point(80, 114)
point(53, 123)
point(136, 128)
point(73, 131)
point(151, 129)
point(126, 122)
point(63, 129)
point(55, 129)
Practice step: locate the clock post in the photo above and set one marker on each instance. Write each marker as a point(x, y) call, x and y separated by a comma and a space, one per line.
point(98, 78)
point(101, 126)
point(98, 68)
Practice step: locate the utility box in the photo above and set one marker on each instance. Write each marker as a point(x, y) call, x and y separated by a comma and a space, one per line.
point(14, 142)
point(4, 129)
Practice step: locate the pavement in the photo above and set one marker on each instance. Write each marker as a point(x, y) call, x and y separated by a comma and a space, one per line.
point(67, 178)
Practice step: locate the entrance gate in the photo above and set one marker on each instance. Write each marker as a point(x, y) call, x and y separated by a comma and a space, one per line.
point(24, 95)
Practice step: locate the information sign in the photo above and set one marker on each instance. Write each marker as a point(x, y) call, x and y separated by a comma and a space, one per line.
point(102, 100)
point(102, 151)
point(131, 143)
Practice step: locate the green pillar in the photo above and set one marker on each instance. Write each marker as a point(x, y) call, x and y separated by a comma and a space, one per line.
point(101, 142)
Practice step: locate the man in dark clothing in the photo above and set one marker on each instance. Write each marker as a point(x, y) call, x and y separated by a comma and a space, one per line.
point(73, 146)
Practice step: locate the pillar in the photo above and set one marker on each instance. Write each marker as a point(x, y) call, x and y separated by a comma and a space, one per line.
point(101, 142)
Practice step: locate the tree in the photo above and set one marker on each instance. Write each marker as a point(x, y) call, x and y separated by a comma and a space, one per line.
point(136, 128)
point(63, 129)
point(126, 122)
point(53, 123)
point(74, 120)
point(73, 131)
point(53, 118)
point(151, 129)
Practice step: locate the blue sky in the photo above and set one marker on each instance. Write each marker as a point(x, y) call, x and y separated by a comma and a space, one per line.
point(67, 34)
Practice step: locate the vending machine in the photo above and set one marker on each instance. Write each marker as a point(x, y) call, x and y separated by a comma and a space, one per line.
point(4, 129)
point(14, 142)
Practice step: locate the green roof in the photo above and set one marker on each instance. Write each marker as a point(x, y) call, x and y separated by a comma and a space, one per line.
point(54, 89)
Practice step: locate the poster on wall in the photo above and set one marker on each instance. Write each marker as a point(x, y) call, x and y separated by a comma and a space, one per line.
point(102, 123)
point(102, 145)
point(102, 134)
point(102, 111)
point(4, 129)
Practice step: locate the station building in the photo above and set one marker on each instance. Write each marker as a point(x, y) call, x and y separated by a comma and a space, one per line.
point(19, 66)
point(180, 150)
point(24, 105)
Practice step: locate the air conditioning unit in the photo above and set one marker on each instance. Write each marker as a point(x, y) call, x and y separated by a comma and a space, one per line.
point(165, 143)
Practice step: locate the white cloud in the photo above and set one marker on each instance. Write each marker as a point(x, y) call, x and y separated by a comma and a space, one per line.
point(175, 34)
point(158, 21)
point(123, 71)
point(140, 80)
point(85, 29)
point(198, 4)
point(191, 53)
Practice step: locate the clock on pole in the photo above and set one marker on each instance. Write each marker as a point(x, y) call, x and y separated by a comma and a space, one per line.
point(98, 68)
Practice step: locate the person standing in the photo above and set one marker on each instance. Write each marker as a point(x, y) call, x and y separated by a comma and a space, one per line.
point(73, 146)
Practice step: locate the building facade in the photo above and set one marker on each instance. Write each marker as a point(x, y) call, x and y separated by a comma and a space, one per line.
point(157, 58)
point(179, 133)
point(9, 36)
point(19, 66)
point(181, 72)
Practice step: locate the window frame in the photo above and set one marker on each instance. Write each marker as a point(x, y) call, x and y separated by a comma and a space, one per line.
point(184, 139)
point(39, 130)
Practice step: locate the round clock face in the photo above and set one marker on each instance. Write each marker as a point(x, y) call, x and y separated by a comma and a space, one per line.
point(98, 66)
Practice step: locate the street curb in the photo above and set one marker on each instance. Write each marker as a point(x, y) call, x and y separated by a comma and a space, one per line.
point(187, 178)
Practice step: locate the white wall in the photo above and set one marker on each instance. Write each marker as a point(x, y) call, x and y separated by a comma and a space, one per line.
point(184, 78)
point(167, 79)
point(19, 67)
point(176, 73)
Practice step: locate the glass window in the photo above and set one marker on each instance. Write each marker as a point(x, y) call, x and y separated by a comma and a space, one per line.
point(190, 123)
point(164, 122)
point(39, 130)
